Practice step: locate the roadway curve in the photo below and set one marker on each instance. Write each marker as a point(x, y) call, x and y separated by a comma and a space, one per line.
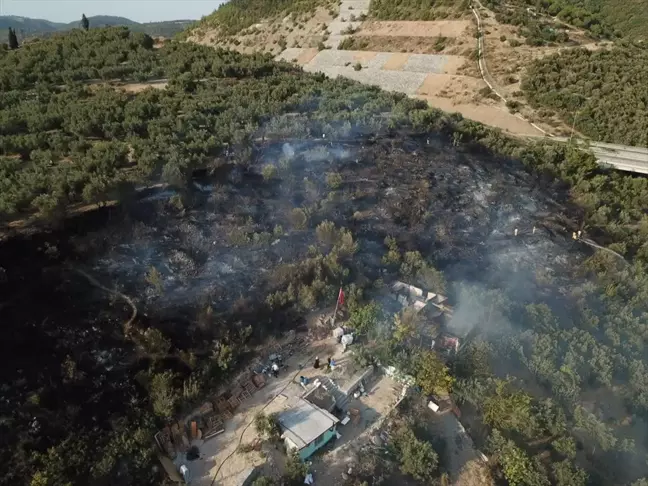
point(620, 157)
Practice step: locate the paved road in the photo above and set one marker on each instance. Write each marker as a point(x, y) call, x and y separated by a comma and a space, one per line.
point(621, 157)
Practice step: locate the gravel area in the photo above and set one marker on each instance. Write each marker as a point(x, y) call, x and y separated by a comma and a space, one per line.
point(425, 63)
point(330, 58)
point(404, 82)
point(340, 24)
point(290, 53)
point(378, 62)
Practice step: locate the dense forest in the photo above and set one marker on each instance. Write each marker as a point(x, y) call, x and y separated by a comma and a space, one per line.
point(555, 383)
point(600, 17)
point(67, 138)
point(417, 9)
point(603, 92)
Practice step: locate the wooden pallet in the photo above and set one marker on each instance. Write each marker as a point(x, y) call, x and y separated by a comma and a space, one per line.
point(250, 387)
point(234, 402)
point(214, 426)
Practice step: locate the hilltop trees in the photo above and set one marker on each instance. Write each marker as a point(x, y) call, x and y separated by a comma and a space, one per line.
point(603, 92)
point(85, 23)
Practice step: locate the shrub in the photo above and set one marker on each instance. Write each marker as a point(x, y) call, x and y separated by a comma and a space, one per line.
point(298, 218)
point(357, 66)
point(417, 458)
point(154, 278)
point(513, 105)
point(334, 180)
point(162, 394)
point(269, 172)
point(327, 233)
point(267, 425)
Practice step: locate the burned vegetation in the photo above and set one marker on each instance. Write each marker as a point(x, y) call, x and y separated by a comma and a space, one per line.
point(239, 255)
point(252, 193)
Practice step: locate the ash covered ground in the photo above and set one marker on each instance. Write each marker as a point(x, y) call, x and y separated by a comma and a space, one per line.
point(458, 208)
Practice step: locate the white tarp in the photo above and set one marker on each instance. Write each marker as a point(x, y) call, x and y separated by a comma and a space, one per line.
point(347, 339)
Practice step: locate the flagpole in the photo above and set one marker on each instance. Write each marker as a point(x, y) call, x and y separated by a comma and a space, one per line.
point(337, 303)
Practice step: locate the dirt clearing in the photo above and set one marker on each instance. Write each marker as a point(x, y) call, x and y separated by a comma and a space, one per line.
point(396, 62)
point(419, 45)
point(491, 115)
point(460, 88)
point(298, 55)
point(139, 87)
point(273, 35)
point(402, 28)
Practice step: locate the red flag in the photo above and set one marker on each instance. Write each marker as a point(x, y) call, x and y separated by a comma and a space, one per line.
point(341, 297)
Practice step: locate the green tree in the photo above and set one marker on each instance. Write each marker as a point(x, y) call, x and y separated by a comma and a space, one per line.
point(13, 39)
point(432, 375)
point(85, 23)
point(416, 457)
point(508, 408)
point(565, 446)
point(295, 470)
point(518, 469)
point(163, 395)
point(267, 426)
point(568, 475)
point(364, 319)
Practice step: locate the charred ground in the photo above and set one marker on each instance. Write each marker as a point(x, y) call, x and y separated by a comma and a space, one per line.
point(72, 367)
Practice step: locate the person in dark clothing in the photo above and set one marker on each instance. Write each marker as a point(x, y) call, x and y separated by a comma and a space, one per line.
point(316, 365)
point(328, 364)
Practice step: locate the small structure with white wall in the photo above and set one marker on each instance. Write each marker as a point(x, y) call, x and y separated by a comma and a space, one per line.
point(306, 427)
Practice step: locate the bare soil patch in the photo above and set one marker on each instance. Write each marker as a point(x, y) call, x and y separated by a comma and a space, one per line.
point(273, 35)
point(139, 87)
point(306, 56)
point(459, 88)
point(419, 45)
point(402, 28)
point(488, 114)
point(396, 62)
point(364, 56)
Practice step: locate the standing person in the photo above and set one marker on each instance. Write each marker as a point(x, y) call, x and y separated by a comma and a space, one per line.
point(328, 364)
point(275, 369)
point(316, 365)
point(331, 364)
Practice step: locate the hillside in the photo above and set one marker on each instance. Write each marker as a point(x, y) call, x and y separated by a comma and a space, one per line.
point(158, 242)
point(27, 27)
point(601, 17)
point(603, 92)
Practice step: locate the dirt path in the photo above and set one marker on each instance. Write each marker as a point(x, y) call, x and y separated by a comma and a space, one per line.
point(95, 282)
point(483, 68)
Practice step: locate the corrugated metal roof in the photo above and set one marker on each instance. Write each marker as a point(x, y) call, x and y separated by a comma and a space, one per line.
point(305, 422)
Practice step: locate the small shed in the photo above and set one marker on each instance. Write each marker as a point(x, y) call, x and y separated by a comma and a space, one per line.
point(306, 427)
